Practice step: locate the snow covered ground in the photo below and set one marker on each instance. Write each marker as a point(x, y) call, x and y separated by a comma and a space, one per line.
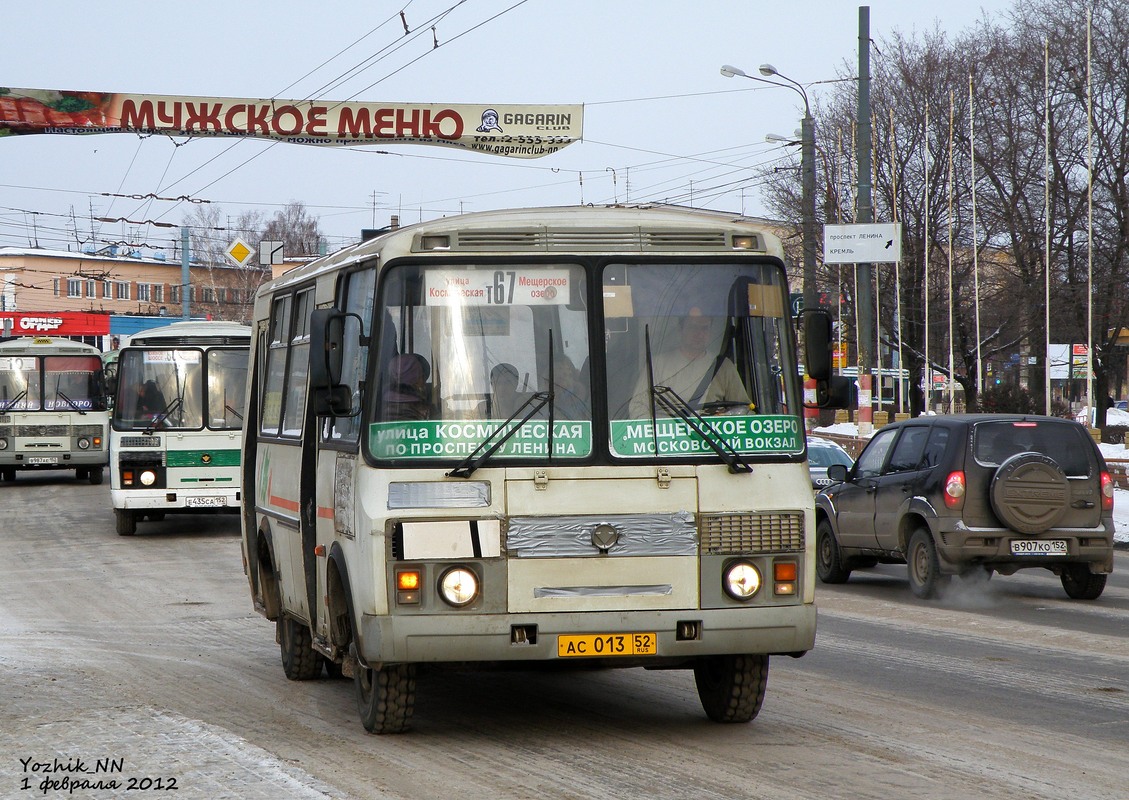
point(1114, 455)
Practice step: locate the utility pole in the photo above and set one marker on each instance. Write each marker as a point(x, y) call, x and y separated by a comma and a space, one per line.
point(865, 215)
point(184, 275)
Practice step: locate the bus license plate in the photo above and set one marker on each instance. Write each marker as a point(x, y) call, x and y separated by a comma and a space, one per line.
point(607, 644)
point(1042, 547)
point(43, 460)
point(204, 502)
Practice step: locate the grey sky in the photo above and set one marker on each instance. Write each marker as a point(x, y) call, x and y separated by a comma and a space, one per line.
point(661, 123)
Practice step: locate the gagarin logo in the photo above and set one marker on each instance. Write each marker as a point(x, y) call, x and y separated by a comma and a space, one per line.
point(206, 458)
point(489, 122)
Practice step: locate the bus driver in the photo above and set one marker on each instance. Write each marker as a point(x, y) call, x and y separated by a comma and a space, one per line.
point(691, 372)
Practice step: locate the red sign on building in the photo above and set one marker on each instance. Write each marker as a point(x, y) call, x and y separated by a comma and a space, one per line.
point(57, 323)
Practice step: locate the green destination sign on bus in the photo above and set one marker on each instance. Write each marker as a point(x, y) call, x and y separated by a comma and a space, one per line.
point(745, 434)
point(458, 439)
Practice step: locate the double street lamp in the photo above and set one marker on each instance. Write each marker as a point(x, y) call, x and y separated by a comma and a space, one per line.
point(807, 169)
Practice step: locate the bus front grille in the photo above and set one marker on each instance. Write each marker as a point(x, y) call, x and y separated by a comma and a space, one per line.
point(722, 534)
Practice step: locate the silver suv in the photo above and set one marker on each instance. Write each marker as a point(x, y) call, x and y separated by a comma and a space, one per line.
point(950, 495)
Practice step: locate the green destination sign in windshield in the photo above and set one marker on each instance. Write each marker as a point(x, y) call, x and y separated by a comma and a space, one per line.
point(431, 439)
point(745, 434)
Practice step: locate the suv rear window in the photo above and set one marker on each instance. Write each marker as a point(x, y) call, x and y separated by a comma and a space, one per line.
point(996, 442)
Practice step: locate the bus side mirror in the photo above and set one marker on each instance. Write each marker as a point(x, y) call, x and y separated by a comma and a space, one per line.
point(327, 346)
point(110, 374)
point(817, 344)
point(831, 391)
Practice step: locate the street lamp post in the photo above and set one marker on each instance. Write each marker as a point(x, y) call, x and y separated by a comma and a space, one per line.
point(807, 171)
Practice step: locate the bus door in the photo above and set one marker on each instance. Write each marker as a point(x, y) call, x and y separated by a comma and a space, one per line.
point(337, 438)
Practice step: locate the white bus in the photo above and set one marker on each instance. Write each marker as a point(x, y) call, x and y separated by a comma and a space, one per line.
point(176, 430)
point(462, 446)
point(52, 407)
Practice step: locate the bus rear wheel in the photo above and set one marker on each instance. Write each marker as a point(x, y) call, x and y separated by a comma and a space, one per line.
point(300, 661)
point(732, 688)
point(385, 696)
point(125, 522)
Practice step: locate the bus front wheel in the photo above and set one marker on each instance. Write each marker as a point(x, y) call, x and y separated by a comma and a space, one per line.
point(125, 522)
point(385, 696)
point(8, 474)
point(732, 688)
point(95, 476)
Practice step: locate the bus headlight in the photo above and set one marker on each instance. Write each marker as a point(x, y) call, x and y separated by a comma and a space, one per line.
point(742, 580)
point(83, 443)
point(148, 477)
point(3, 444)
point(458, 587)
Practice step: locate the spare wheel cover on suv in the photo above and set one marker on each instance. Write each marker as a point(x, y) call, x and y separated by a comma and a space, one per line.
point(1030, 492)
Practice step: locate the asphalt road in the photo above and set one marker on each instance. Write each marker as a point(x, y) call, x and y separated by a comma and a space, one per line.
point(141, 657)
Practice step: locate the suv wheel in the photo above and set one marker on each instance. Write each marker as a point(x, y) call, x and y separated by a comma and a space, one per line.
point(1030, 492)
point(1080, 583)
point(925, 578)
point(828, 559)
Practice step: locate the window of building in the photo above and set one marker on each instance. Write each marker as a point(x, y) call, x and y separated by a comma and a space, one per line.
point(121, 290)
point(74, 287)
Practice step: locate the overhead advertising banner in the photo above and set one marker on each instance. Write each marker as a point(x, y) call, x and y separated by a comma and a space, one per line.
point(515, 131)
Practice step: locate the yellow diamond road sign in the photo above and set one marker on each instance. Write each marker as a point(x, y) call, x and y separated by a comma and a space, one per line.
point(239, 252)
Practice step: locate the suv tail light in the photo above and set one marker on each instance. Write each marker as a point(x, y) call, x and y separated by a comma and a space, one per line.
point(954, 490)
point(1107, 492)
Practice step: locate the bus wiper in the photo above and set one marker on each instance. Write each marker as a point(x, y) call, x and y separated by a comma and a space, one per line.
point(8, 406)
point(60, 393)
point(668, 400)
point(466, 467)
point(226, 407)
point(160, 418)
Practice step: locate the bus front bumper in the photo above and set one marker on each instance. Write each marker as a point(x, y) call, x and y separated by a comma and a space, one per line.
point(172, 500)
point(534, 637)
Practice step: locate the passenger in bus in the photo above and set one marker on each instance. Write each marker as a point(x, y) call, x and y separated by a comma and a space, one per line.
point(405, 395)
point(150, 400)
point(694, 374)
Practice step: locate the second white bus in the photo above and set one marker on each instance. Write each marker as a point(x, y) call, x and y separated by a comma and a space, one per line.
point(177, 423)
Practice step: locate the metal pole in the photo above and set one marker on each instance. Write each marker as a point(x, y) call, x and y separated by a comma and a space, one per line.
point(807, 157)
point(184, 272)
point(865, 215)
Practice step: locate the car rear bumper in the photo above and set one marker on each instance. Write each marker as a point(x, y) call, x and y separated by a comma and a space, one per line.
point(961, 547)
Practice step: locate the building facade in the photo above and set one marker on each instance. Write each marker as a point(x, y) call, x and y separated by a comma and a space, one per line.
point(80, 294)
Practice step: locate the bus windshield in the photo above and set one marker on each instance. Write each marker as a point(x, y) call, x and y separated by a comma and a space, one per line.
point(160, 389)
point(51, 383)
point(470, 349)
point(688, 344)
point(73, 383)
point(19, 384)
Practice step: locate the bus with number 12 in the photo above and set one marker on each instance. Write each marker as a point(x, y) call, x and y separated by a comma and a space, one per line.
point(545, 437)
point(53, 411)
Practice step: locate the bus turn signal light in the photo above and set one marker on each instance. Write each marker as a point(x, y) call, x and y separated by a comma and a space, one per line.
point(407, 586)
point(784, 575)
